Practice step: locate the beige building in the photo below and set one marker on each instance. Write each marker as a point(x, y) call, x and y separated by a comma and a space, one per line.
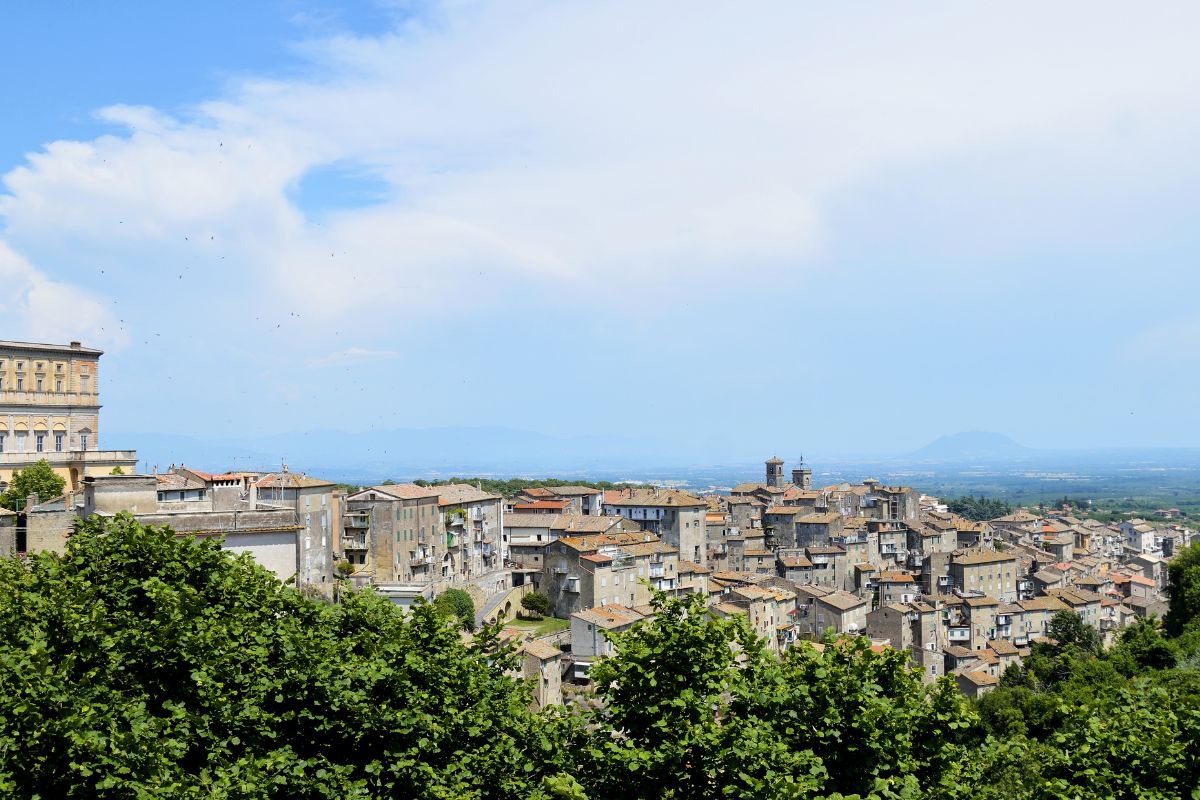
point(50, 408)
point(678, 518)
point(397, 535)
point(541, 666)
point(988, 571)
point(581, 572)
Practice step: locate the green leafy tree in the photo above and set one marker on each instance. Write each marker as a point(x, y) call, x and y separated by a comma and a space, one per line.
point(867, 717)
point(143, 665)
point(38, 478)
point(1184, 589)
point(977, 508)
point(536, 602)
point(670, 726)
point(1142, 647)
point(1068, 629)
point(457, 604)
point(116, 471)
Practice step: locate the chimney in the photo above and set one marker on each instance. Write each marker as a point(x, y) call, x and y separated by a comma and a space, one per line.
point(76, 345)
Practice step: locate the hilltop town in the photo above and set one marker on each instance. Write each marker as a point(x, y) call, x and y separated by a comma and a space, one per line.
point(962, 598)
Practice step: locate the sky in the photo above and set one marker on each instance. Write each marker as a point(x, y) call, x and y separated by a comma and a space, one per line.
point(778, 227)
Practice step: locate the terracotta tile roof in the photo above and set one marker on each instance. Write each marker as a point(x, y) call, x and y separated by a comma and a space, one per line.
point(397, 491)
point(290, 480)
point(541, 650)
point(983, 557)
point(670, 498)
point(823, 518)
point(609, 616)
point(841, 600)
point(454, 493)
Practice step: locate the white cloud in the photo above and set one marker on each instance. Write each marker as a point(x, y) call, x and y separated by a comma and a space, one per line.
point(600, 148)
point(34, 307)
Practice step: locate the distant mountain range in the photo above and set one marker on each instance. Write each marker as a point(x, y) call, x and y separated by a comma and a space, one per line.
point(971, 445)
point(399, 453)
point(408, 453)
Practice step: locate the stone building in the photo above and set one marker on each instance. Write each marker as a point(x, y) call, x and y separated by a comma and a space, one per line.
point(474, 522)
point(399, 530)
point(987, 571)
point(581, 572)
point(677, 517)
point(50, 408)
point(317, 505)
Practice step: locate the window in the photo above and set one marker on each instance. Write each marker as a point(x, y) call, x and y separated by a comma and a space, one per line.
point(58, 442)
point(39, 384)
point(1, 442)
point(58, 386)
point(40, 442)
point(20, 384)
point(83, 441)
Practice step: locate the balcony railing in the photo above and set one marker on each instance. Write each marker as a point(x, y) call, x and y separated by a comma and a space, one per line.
point(68, 456)
point(354, 543)
point(357, 521)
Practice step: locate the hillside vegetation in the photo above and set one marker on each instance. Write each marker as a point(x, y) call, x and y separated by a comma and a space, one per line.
point(141, 665)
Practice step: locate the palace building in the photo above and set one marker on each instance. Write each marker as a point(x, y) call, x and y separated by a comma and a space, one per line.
point(50, 408)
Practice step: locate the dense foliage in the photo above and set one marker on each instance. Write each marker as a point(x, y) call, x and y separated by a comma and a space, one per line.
point(38, 478)
point(457, 604)
point(141, 665)
point(145, 665)
point(536, 602)
point(977, 508)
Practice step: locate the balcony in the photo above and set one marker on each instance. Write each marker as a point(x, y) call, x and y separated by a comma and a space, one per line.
point(420, 561)
point(958, 634)
point(356, 520)
point(354, 543)
point(44, 398)
point(656, 570)
point(572, 585)
point(63, 457)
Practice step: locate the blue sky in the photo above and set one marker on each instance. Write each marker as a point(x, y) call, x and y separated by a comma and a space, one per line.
point(813, 228)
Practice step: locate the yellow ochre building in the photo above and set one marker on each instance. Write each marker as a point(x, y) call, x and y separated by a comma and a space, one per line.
point(50, 408)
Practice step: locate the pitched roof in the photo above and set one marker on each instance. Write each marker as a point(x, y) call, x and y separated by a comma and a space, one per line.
point(541, 650)
point(982, 557)
point(842, 600)
point(646, 496)
point(455, 493)
point(291, 480)
point(398, 491)
point(173, 481)
point(609, 616)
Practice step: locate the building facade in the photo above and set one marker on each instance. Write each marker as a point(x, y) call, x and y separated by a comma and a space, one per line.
point(50, 408)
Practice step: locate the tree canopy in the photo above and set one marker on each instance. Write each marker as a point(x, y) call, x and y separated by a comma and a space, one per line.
point(144, 665)
point(977, 508)
point(38, 478)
